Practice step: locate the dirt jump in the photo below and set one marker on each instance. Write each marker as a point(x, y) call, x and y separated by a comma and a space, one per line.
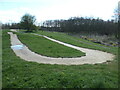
point(92, 56)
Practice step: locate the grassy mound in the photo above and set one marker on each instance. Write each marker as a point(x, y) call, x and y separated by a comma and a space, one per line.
point(46, 47)
point(18, 73)
point(79, 42)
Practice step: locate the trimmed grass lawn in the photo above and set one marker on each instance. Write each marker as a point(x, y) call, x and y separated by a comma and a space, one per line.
point(49, 48)
point(79, 42)
point(18, 73)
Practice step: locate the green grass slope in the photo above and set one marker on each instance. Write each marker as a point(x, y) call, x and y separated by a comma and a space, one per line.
point(46, 47)
point(79, 42)
point(18, 73)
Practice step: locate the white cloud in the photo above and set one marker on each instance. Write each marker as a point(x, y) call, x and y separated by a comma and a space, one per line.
point(13, 15)
point(59, 9)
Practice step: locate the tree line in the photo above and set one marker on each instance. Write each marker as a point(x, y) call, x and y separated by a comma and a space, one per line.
point(81, 25)
point(72, 25)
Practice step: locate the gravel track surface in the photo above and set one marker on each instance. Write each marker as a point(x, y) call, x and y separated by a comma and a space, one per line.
point(92, 56)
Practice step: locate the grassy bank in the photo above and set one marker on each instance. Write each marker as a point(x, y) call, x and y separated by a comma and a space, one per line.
point(18, 73)
point(79, 42)
point(108, 40)
point(46, 47)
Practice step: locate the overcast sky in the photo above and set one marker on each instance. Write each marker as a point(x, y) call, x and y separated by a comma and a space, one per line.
point(13, 10)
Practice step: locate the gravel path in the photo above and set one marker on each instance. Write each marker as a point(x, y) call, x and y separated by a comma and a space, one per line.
point(92, 56)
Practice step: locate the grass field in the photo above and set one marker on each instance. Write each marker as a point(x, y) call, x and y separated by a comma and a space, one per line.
point(46, 47)
point(17, 73)
point(79, 42)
